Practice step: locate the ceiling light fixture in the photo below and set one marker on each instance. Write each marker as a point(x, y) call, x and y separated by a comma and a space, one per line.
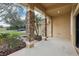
point(58, 11)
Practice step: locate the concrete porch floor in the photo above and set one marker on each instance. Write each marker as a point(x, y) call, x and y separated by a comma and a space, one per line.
point(52, 47)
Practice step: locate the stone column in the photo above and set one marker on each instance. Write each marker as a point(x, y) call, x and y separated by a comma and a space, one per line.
point(30, 22)
point(45, 27)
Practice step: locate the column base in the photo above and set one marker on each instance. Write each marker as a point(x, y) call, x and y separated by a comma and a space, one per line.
point(30, 44)
point(45, 39)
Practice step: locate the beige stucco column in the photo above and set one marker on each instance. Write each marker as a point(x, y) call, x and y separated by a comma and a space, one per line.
point(51, 27)
point(45, 27)
point(30, 22)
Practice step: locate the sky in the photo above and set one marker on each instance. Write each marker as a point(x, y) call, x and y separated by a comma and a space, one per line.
point(21, 11)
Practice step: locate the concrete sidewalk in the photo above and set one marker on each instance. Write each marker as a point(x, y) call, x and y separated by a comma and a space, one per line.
point(52, 47)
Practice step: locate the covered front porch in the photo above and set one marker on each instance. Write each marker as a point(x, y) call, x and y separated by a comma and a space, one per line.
point(58, 27)
point(56, 34)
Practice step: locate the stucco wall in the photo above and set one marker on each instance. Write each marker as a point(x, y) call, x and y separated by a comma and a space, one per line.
point(48, 27)
point(73, 24)
point(73, 29)
point(61, 26)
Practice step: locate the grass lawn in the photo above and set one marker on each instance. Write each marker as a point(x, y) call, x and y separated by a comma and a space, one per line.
point(3, 30)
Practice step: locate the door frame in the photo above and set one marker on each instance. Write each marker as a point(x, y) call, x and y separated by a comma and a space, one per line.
point(73, 24)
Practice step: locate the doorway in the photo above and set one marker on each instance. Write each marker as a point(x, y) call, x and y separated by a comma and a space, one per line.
point(77, 31)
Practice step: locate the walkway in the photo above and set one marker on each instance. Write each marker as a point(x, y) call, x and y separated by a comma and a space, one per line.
point(52, 47)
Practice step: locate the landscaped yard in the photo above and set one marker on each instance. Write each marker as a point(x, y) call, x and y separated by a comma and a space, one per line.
point(12, 26)
point(10, 41)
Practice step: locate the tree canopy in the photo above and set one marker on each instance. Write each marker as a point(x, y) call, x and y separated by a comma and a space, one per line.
point(10, 15)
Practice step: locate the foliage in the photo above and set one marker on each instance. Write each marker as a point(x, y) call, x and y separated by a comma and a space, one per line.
point(10, 15)
point(10, 39)
point(3, 36)
point(38, 23)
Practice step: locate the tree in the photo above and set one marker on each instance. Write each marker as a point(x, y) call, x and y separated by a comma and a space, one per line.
point(10, 15)
point(38, 23)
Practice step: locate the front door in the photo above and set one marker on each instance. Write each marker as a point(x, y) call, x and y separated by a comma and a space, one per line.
point(77, 30)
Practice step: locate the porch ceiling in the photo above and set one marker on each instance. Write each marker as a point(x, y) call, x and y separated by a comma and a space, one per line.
point(56, 9)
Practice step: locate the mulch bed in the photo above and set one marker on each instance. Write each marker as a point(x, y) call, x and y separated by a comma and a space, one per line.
point(9, 51)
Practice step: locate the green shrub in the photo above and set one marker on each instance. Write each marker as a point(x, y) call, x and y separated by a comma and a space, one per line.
point(3, 37)
point(10, 38)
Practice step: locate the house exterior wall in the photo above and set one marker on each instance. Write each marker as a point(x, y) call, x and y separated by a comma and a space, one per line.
point(73, 29)
point(61, 26)
point(74, 12)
